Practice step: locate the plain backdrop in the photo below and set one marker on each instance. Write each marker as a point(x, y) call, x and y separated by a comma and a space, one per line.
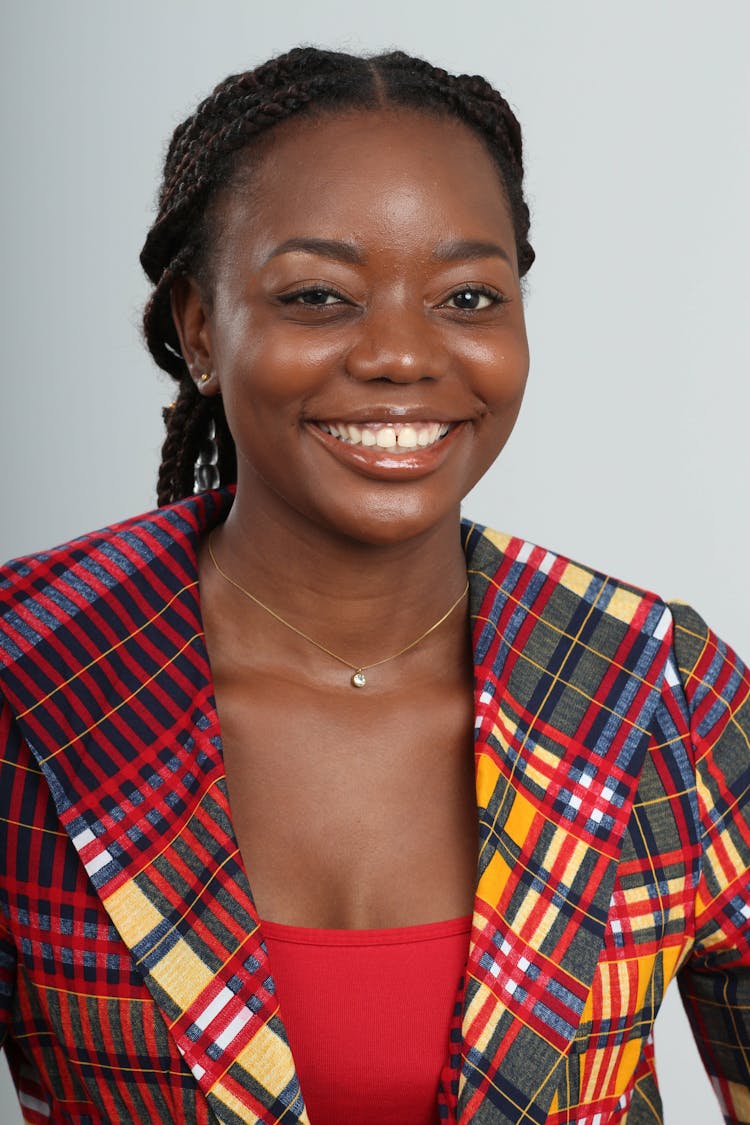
point(631, 453)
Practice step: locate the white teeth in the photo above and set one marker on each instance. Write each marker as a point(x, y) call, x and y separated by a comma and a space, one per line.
point(388, 435)
point(407, 438)
point(385, 439)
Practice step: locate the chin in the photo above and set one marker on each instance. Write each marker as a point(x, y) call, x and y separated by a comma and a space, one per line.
point(389, 525)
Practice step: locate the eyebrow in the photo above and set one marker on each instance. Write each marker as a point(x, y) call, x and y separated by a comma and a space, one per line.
point(468, 251)
point(323, 247)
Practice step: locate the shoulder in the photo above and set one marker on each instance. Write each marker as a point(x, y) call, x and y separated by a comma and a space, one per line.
point(715, 680)
point(554, 586)
point(608, 617)
point(146, 555)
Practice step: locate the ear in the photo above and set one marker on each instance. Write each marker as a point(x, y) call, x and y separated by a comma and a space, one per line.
point(190, 316)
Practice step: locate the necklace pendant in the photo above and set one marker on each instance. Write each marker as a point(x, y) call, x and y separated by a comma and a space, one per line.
point(359, 679)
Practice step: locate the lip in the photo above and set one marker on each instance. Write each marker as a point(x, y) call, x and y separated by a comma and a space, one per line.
point(392, 413)
point(381, 464)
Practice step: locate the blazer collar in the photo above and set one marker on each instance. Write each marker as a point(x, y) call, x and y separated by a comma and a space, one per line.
point(106, 668)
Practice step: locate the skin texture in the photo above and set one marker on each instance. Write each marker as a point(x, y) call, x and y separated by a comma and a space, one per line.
point(354, 808)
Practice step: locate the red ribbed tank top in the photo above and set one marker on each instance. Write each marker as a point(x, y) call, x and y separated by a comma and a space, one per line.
point(368, 1014)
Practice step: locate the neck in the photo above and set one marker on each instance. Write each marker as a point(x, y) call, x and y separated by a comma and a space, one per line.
point(363, 601)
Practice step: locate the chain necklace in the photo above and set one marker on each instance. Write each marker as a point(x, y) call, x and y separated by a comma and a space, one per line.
point(359, 679)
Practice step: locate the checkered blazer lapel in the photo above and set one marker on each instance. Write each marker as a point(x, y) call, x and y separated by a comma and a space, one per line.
point(114, 696)
point(109, 676)
point(569, 666)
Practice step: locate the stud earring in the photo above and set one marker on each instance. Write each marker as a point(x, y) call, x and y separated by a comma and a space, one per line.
point(205, 377)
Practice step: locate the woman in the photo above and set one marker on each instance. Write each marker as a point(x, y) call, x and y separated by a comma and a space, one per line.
point(411, 848)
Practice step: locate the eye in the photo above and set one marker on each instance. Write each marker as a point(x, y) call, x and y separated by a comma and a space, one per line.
point(473, 298)
point(317, 296)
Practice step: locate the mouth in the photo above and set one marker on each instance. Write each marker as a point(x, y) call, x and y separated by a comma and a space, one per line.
point(395, 437)
point(389, 450)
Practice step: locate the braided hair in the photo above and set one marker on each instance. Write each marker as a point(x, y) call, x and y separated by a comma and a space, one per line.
point(214, 144)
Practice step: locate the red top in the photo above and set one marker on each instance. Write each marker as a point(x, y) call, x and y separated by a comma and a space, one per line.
point(363, 1055)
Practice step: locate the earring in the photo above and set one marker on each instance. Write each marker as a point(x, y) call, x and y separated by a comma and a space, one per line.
point(206, 473)
point(205, 377)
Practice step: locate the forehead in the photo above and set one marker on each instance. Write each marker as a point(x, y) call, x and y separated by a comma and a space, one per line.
point(383, 174)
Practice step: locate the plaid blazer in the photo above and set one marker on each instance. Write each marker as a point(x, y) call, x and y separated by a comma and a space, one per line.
point(612, 778)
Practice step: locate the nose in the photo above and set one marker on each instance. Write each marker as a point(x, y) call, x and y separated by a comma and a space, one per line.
point(397, 344)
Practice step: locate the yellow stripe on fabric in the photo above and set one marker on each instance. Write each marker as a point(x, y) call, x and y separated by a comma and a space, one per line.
point(483, 996)
point(640, 895)
point(640, 1084)
point(576, 579)
point(531, 903)
point(624, 605)
point(499, 539)
point(107, 652)
point(566, 876)
point(541, 757)
point(95, 1062)
point(133, 913)
point(31, 766)
point(494, 880)
point(669, 797)
point(520, 818)
point(687, 673)
point(268, 1061)
point(33, 827)
point(487, 774)
point(98, 997)
point(182, 974)
point(740, 1101)
point(191, 905)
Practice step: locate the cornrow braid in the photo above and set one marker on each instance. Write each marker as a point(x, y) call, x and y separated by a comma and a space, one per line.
point(216, 142)
point(473, 100)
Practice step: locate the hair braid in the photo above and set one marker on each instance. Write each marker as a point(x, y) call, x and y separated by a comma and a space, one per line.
point(179, 419)
point(209, 147)
point(473, 100)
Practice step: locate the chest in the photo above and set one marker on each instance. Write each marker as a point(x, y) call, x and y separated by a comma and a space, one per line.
point(358, 816)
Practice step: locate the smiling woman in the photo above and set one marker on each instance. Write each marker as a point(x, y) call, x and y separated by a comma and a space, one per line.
point(240, 891)
point(337, 300)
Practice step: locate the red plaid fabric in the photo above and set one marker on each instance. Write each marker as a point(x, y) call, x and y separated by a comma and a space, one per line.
point(613, 793)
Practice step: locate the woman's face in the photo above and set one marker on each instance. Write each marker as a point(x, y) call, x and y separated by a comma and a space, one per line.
point(365, 327)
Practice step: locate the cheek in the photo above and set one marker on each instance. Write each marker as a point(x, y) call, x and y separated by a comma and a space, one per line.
point(500, 372)
point(275, 369)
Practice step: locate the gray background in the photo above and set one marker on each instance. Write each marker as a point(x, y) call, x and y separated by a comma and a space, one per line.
point(631, 452)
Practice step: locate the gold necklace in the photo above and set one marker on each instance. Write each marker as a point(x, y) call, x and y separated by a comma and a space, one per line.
point(358, 680)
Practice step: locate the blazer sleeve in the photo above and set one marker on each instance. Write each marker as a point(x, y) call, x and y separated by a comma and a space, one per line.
point(7, 946)
point(715, 980)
